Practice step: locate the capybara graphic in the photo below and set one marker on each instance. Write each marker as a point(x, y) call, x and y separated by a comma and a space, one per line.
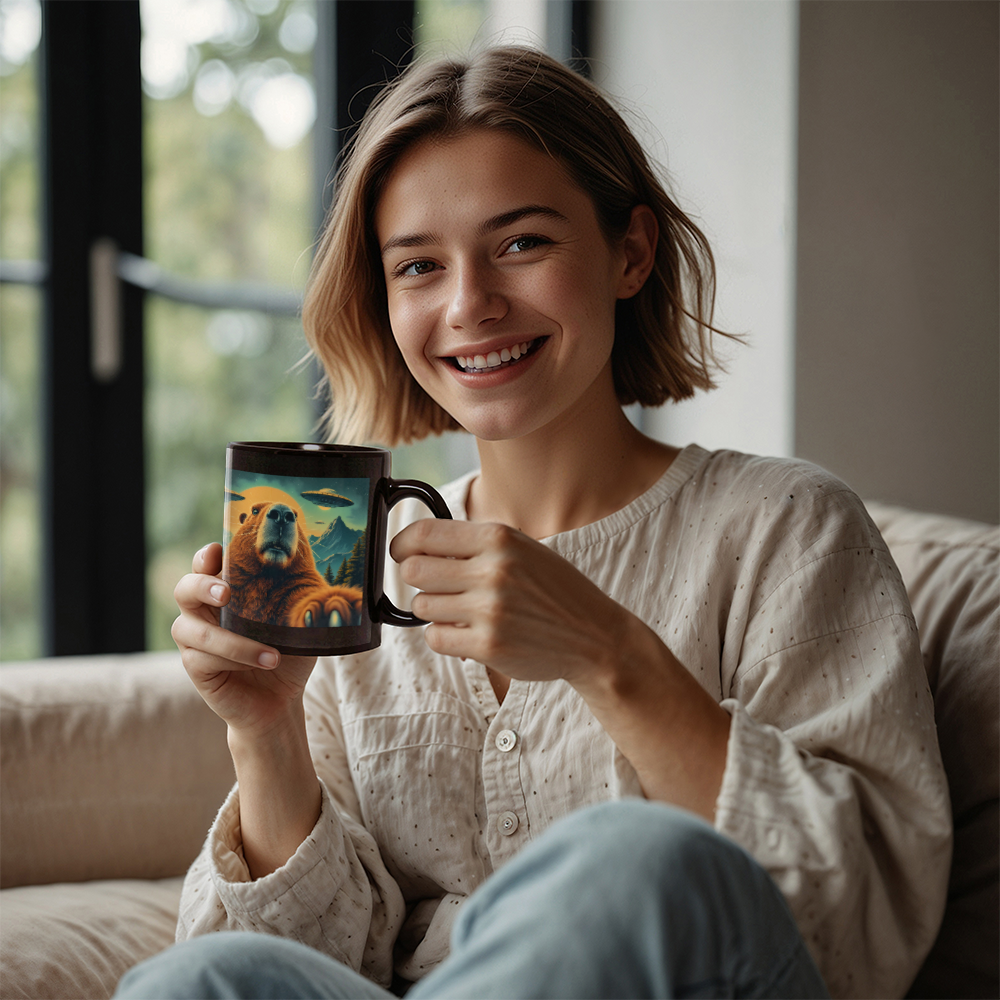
point(273, 576)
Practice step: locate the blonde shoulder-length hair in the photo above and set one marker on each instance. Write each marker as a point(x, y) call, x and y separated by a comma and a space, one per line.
point(662, 348)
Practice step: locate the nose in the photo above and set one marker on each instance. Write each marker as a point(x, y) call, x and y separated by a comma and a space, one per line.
point(281, 513)
point(475, 300)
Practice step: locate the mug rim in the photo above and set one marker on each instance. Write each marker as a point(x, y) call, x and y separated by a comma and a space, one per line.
point(309, 447)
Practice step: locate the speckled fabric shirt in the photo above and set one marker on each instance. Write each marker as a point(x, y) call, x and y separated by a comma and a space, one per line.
point(767, 580)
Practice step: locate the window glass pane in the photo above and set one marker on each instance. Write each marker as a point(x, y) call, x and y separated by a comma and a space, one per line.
point(20, 35)
point(20, 454)
point(220, 376)
point(443, 27)
point(20, 316)
point(229, 112)
point(447, 25)
point(229, 197)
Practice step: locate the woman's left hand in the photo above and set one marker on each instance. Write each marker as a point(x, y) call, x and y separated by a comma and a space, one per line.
point(497, 596)
point(494, 595)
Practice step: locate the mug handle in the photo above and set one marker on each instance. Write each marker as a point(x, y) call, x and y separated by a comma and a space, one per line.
point(413, 489)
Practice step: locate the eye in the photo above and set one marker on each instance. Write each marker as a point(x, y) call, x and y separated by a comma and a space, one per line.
point(255, 511)
point(414, 268)
point(522, 244)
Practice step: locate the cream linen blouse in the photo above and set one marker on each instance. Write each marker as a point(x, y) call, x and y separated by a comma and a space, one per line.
point(768, 581)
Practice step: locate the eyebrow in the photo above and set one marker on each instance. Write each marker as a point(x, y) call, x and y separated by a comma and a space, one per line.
point(491, 225)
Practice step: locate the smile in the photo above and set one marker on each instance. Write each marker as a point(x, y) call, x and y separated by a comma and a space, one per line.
point(496, 360)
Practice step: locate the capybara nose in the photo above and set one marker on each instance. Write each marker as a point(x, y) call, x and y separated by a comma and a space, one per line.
point(279, 512)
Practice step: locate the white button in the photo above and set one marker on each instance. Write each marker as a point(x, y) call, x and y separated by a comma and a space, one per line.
point(507, 823)
point(506, 740)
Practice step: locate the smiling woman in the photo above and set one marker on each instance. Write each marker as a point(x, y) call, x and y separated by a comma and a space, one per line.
point(442, 104)
point(611, 619)
point(540, 274)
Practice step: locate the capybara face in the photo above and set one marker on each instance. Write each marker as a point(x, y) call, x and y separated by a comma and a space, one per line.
point(277, 532)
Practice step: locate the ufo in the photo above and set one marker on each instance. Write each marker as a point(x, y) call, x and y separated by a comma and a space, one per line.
point(230, 495)
point(326, 498)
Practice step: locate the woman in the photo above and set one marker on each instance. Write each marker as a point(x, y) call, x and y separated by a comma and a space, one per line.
point(612, 620)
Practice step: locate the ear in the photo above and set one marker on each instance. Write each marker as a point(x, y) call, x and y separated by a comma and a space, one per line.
point(243, 517)
point(639, 248)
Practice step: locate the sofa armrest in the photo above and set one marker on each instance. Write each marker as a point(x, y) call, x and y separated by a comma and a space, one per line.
point(112, 767)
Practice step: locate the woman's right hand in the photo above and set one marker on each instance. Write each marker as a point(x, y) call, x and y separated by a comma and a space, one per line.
point(259, 695)
point(248, 685)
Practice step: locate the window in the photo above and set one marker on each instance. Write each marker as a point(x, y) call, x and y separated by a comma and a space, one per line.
point(150, 312)
point(20, 318)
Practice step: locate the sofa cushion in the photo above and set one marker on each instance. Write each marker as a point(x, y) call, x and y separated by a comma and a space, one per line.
point(113, 767)
point(951, 568)
point(68, 941)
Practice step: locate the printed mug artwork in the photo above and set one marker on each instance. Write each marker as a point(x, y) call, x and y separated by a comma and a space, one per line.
point(295, 549)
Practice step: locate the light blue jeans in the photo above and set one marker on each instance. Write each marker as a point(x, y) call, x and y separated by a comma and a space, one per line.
point(627, 899)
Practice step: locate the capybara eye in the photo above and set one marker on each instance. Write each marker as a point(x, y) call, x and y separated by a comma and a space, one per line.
point(255, 511)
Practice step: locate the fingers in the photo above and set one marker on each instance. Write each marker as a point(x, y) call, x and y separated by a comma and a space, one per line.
point(208, 559)
point(437, 575)
point(454, 539)
point(197, 589)
point(452, 609)
point(454, 557)
point(206, 647)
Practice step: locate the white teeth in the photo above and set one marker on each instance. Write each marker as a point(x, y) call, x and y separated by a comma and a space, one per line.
point(494, 359)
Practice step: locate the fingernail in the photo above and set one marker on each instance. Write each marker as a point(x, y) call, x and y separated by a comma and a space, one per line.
point(268, 660)
point(218, 592)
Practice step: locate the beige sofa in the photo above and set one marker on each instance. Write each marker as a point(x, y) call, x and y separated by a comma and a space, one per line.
point(112, 769)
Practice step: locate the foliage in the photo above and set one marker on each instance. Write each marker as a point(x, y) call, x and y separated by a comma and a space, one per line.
point(221, 204)
point(20, 318)
point(352, 569)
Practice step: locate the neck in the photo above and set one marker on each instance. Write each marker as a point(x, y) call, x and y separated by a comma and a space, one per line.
point(562, 478)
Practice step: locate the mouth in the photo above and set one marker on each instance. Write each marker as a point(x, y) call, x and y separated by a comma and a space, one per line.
point(275, 555)
point(494, 361)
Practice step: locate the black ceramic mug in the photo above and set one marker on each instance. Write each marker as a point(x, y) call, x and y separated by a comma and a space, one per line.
point(305, 544)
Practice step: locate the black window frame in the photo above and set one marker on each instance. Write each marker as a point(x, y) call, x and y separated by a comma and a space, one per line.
point(94, 279)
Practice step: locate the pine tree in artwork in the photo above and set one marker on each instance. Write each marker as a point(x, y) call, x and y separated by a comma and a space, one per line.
point(328, 575)
point(341, 578)
point(355, 564)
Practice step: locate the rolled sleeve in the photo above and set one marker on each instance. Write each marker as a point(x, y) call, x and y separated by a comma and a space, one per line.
point(333, 894)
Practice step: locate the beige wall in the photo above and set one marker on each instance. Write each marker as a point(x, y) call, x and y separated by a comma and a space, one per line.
point(884, 366)
point(897, 368)
point(710, 87)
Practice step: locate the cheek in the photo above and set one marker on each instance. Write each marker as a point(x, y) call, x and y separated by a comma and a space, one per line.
point(408, 330)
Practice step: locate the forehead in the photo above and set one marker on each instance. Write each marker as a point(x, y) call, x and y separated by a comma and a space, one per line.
point(479, 173)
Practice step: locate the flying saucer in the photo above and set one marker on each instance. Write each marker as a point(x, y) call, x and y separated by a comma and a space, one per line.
point(326, 498)
point(230, 495)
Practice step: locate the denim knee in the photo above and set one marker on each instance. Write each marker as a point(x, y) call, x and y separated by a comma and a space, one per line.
point(620, 854)
point(634, 848)
point(646, 840)
point(240, 965)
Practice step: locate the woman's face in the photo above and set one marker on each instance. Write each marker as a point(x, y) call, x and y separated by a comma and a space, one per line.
point(501, 286)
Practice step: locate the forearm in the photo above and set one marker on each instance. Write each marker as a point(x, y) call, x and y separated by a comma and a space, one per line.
point(280, 794)
point(668, 727)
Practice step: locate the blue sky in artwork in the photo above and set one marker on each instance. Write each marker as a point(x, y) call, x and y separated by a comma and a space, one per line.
point(318, 518)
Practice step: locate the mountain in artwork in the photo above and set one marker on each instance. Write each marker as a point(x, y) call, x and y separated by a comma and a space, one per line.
point(334, 544)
